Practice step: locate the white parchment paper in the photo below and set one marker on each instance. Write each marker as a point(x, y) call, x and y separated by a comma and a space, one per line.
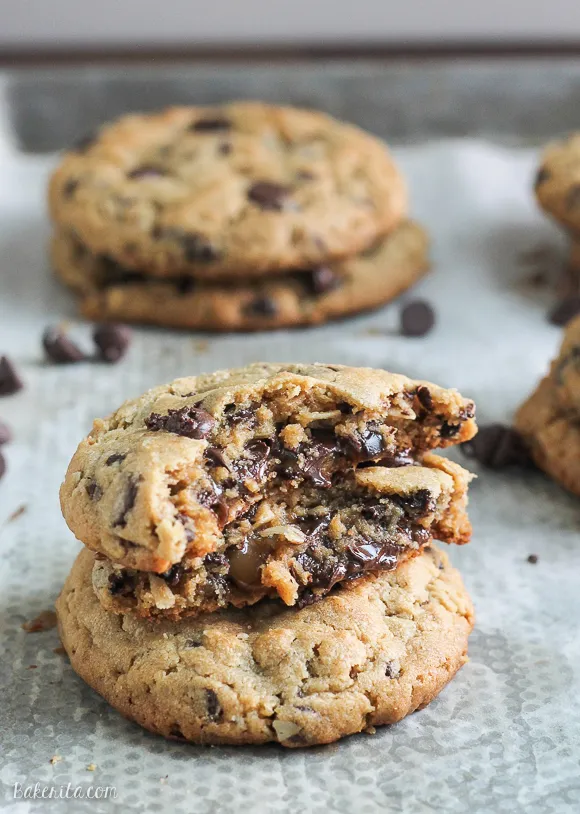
point(504, 736)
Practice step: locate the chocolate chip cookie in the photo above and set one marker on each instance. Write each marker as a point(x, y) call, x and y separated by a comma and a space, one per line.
point(301, 297)
point(557, 183)
point(549, 420)
point(245, 188)
point(368, 654)
point(297, 545)
point(158, 482)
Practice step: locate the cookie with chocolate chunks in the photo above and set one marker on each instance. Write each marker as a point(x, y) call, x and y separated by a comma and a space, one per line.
point(557, 182)
point(549, 421)
point(200, 452)
point(370, 653)
point(302, 297)
point(296, 546)
point(245, 188)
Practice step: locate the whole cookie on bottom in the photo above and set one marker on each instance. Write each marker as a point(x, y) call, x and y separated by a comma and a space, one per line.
point(549, 420)
point(243, 188)
point(307, 297)
point(557, 184)
point(368, 654)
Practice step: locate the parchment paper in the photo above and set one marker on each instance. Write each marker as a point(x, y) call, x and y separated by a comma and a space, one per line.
point(504, 736)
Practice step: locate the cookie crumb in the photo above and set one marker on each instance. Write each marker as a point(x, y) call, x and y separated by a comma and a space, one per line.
point(533, 559)
point(45, 620)
point(32, 667)
point(16, 513)
point(164, 779)
point(60, 651)
point(370, 730)
point(201, 345)
point(55, 759)
point(91, 767)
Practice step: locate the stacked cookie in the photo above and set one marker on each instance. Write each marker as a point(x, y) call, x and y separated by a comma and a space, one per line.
point(557, 189)
point(240, 217)
point(259, 561)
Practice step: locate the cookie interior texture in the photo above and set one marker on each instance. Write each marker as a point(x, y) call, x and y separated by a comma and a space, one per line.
point(369, 654)
point(247, 188)
point(549, 419)
point(297, 544)
point(108, 291)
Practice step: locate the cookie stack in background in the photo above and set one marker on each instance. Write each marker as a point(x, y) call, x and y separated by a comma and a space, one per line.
point(259, 562)
point(239, 217)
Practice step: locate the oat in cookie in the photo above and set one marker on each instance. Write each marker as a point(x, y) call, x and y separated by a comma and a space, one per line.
point(164, 475)
point(298, 544)
point(244, 188)
point(549, 421)
point(108, 291)
point(368, 654)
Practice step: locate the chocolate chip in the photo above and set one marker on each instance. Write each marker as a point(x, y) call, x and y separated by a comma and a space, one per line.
point(211, 124)
point(198, 249)
point(533, 559)
point(191, 643)
point(268, 195)
point(324, 573)
point(497, 446)
point(417, 319)
point(416, 504)
point(312, 462)
point(191, 422)
point(145, 171)
point(305, 175)
point(5, 433)
point(215, 561)
point(365, 445)
point(185, 285)
point(60, 349)
point(94, 491)
point(173, 576)
point(216, 457)
point(115, 458)
point(128, 501)
point(565, 310)
point(542, 175)
point(261, 306)
point(344, 408)
point(392, 669)
point(212, 703)
point(255, 462)
point(573, 197)
point(321, 280)
point(399, 457)
point(70, 187)
point(2, 465)
point(425, 397)
point(10, 381)
point(448, 430)
point(112, 341)
point(186, 522)
point(225, 148)
point(371, 556)
point(121, 584)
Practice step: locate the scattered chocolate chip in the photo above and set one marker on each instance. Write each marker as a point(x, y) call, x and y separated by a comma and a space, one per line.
point(10, 381)
point(392, 669)
point(565, 310)
point(209, 125)
point(115, 458)
point(173, 576)
point(5, 433)
point(216, 457)
point(425, 397)
point(415, 504)
point(261, 306)
point(448, 430)
point(365, 445)
point(321, 280)
point(542, 175)
point(344, 408)
point(191, 422)
point(60, 349)
point(128, 501)
point(146, 171)
point(2, 465)
point(121, 584)
point(70, 187)
point(399, 457)
point(255, 462)
point(268, 195)
point(112, 341)
point(198, 249)
point(417, 318)
point(94, 491)
point(533, 559)
point(311, 462)
point(573, 197)
point(497, 446)
point(212, 703)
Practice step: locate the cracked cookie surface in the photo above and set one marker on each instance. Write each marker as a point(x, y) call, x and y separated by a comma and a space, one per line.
point(161, 478)
point(549, 420)
point(303, 297)
point(368, 654)
point(242, 188)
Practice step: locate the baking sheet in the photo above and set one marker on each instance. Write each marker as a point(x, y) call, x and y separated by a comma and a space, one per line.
point(504, 736)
